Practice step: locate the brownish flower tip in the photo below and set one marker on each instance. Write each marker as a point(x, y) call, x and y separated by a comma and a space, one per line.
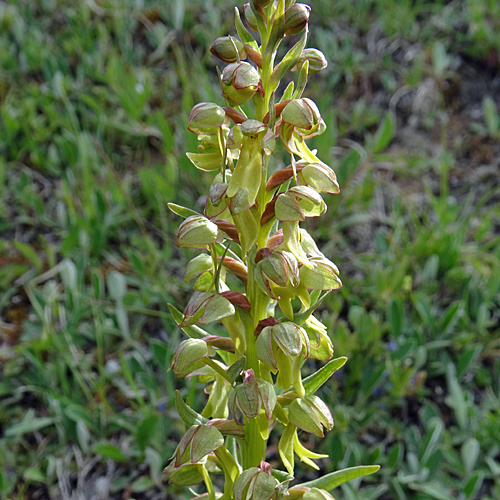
point(275, 240)
point(268, 213)
point(234, 114)
point(237, 299)
point(235, 267)
point(224, 343)
point(279, 108)
point(263, 323)
point(262, 253)
point(254, 55)
point(228, 228)
point(282, 176)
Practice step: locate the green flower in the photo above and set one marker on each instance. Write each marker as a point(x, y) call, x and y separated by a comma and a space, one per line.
point(239, 82)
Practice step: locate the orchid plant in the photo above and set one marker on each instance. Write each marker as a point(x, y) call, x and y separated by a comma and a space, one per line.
point(250, 229)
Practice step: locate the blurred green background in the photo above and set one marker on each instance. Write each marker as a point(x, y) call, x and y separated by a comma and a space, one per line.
point(94, 101)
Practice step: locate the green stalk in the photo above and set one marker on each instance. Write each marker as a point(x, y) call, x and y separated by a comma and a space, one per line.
point(218, 369)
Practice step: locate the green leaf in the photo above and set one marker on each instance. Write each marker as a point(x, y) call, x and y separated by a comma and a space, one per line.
point(434, 490)
point(145, 430)
point(235, 369)
point(394, 456)
point(287, 63)
point(371, 374)
point(466, 358)
point(28, 426)
point(188, 475)
point(288, 93)
point(117, 285)
point(34, 474)
point(83, 435)
point(348, 166)
point(77, 412)
point(243, 33)
point(142, 484)
point(155, 462)
point(193, 331)
point(473, 484)
point(206, 161)
point(316, 380)
point(384, 133)
point(187, 414)
point(334, 479)
point(432, 437)
point(456, 397)
point(29, 252)
point(450, 317)
point(182, 211)
point(110, 451)
point(395, 317)
point(301, 85)
point(470, 453)
point(491, 115)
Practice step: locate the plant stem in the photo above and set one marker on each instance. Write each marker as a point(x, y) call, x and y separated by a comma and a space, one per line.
point(218, 369)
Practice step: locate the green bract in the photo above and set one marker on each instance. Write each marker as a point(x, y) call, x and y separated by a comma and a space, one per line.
point(262, 328)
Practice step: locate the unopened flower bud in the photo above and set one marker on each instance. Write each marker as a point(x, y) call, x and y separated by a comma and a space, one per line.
point(310, 414)
point(223, 48)
point(205, 118)
point(320, 177)
point(321, 344)
point(279, 267)
point(235, 267)
point(316, 58)
point(251, 128)
point(296, 18)
point(239, 82)
point(250, 17)
point(282, 347)
point(261, 4)
point(256, 483)
point(189, 357)
point(310, 201)
point(200, 267)
point(304, 116)
point(204, 308)
point(288, 337)
point(196, 232)
point(253, 394)
point(199, 441)
point(322, 275)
